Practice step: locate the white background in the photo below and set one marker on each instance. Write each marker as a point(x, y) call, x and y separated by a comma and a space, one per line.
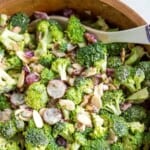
point(140, 6)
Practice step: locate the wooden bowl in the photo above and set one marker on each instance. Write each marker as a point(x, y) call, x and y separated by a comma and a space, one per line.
point(113, 11)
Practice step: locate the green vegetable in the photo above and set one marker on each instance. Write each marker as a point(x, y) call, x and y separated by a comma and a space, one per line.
point(19, 20)
point(47, 75)
point(129, 77)
point(75, 30)
point(111, 101)
point(36, 96)
point(117, 146)
point(135, 113)
point(60, 66)
point(88, 56)
point(114, 62)
point(4, 103)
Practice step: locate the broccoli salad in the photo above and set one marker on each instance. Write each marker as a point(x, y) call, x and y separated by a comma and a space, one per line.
point(62, 89)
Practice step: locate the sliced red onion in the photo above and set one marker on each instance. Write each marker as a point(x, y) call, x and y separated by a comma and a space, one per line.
point(17, 99)
point(110, 72)
point(32, 77)
point(68, 12)
point(125, 106)
point(26, 69)
point(41, 15)
point(29, 54)
point(90, 37)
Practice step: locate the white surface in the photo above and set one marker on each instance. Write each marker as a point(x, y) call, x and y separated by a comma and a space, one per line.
point(140, 6)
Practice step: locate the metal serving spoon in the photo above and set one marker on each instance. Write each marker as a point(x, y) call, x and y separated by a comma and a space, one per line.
point(139, 35)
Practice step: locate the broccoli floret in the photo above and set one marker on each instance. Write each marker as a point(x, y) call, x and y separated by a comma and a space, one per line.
point(7, 83)
point(75, 30)
point(114, 62)
point(3, 20)
point(145, 66)
point(65, 130)
point(36, 96)
point(99, 131)
point(43, 36)
point(19, 124)
point(4, 104)
point(114, 49)
point(47, 75)
point(119, 126)
point(146, 141)
point(12, 41)
point(133, 142)
point(19, 20)
point(35, 139)
point(136, 54)
point(62, 45)
point(13, 63)
point(135, 113)
point(117, 146)
point(93, 55)
point(8, 129)
point(60, 66)
point(46, 59)
point(6, 144)
point(74, 94)
point(55, 30)
point(139, 96)
point(129, 77)
point(136, 127)
point(84, 84)
point(111, 101)
point(80, 138)
point(97, 144)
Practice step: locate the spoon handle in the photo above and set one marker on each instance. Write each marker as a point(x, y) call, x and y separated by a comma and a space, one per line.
point(139, 35)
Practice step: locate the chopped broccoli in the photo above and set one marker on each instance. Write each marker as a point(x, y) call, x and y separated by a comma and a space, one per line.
point(135, 113)
point(11, 40)
point(75, 30)
point(80, 138)
point(136, 127)
point(114, 62)
point(129, 77)
point(13, 63)
point(136, 54)
point(8, 129)
point(7, 83)
point(117, 146)
point(99, 131)
point(55, 30)
point(97, 144)
point(4, 103)
point(146, 141)
point(139, 96)
point(133, 142)
point(74, 94)
point(65, 130)
point(119, 126)
point(35, 139)
point(19, 124)
point(47, 75)
point(46, 59)
point(114, 49)
point(111, 101)
point(6, 144)
point(145, 66)
point(88, 56)
point(36, 95)
point(19, 20)
point(60, 66)
point(84, 84)
point(43, 36)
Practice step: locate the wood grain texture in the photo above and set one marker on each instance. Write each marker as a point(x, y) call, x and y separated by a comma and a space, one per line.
point(114, 11)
